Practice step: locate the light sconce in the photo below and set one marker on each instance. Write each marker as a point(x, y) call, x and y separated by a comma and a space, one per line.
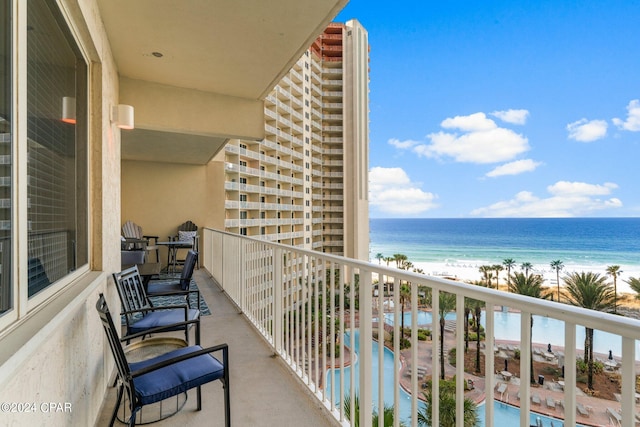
point(122, 116)
point(69, 109)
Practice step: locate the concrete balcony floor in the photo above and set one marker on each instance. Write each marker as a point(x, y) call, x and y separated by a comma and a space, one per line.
point(263, 391)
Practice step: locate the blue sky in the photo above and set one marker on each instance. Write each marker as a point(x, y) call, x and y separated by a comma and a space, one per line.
point(503, 108)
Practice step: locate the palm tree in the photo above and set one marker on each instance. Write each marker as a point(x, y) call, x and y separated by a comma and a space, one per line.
point(406, 265)
point(634, 283)
point(557, 266)
point(477, 314)
point(589, 290)
point(531, 286)
point(447, 407)
point(614, 271)
point(526, 266)
point(399, 258)
point(447, 304)
point(486, 271)
point(387, 413)
point(405, 295)
point(497, 268)
point(388, 259)
point(379, 257)
point(468, 306)
point(509, 263)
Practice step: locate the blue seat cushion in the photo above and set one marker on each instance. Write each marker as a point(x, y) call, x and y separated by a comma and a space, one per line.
point(176, 378)
point(154, 319)
point(164, 287)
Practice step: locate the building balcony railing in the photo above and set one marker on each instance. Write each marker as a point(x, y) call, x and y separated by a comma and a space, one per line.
point(280, 289)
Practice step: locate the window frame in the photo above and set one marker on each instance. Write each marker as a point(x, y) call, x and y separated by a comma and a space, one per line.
point(23, 306)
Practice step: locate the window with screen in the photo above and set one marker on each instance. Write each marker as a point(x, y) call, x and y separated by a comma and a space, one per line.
point(57, 218)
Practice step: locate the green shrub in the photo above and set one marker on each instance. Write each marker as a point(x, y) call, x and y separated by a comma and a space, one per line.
point(423, 334)
point(598, 367)
point(551, 371)
point(452, 356)
point(581, 366)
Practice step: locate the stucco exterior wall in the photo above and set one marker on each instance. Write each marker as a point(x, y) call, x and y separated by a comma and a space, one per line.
point(58, 363)
point(161, 196)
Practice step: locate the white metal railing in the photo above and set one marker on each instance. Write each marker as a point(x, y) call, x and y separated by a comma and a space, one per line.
point(281, 290)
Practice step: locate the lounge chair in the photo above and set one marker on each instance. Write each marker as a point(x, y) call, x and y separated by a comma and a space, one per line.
point(582, 410)
point(502, 387)
point(614, 415)
point(535, 399)
point(550, 402)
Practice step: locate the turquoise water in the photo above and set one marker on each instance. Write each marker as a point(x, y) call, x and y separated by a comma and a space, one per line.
point(334, 377)
point(545, 331)
point(504, 415)
point(591, 242)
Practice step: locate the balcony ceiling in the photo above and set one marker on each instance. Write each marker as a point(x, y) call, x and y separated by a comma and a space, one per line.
point(236, 48)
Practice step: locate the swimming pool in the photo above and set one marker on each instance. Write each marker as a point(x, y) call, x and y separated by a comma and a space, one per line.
point(545, 330)
point(504, 415)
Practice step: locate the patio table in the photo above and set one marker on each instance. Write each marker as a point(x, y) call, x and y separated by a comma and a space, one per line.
point(172, 254)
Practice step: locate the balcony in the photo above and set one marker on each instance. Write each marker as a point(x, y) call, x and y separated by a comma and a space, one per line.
point(262, 391)
point(278, 288)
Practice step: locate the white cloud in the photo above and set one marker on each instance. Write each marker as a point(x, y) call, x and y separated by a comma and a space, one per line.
point(632, 123)
point(402, 144)
point(478, 140)
point(471, 123)
point(514, 168)
point(516, 117)
point(392, 192)
point(565, 188)
point(568, 199)
point(587, 130)
point(487, 146)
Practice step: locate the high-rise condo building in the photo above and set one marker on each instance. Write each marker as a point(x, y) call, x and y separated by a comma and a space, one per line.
point(306, 183)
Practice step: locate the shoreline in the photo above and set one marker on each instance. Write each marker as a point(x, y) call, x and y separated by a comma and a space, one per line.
point(469, 272)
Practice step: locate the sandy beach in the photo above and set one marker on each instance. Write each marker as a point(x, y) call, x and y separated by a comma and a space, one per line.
point(470, 272)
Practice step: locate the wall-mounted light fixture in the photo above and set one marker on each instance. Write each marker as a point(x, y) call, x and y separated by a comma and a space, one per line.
point(69, 109)
point(122, 116)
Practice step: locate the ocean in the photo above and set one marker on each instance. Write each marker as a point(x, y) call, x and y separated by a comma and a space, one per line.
point(582, 244)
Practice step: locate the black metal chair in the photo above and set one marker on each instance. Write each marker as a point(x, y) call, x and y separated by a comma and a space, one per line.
point(140, 314)
point(180, 287)
point(166, 375)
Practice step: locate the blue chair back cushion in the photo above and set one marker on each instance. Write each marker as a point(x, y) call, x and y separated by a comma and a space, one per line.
point(176, 378)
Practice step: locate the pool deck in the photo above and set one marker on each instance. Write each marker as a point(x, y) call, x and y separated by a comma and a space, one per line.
point(596, 410)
